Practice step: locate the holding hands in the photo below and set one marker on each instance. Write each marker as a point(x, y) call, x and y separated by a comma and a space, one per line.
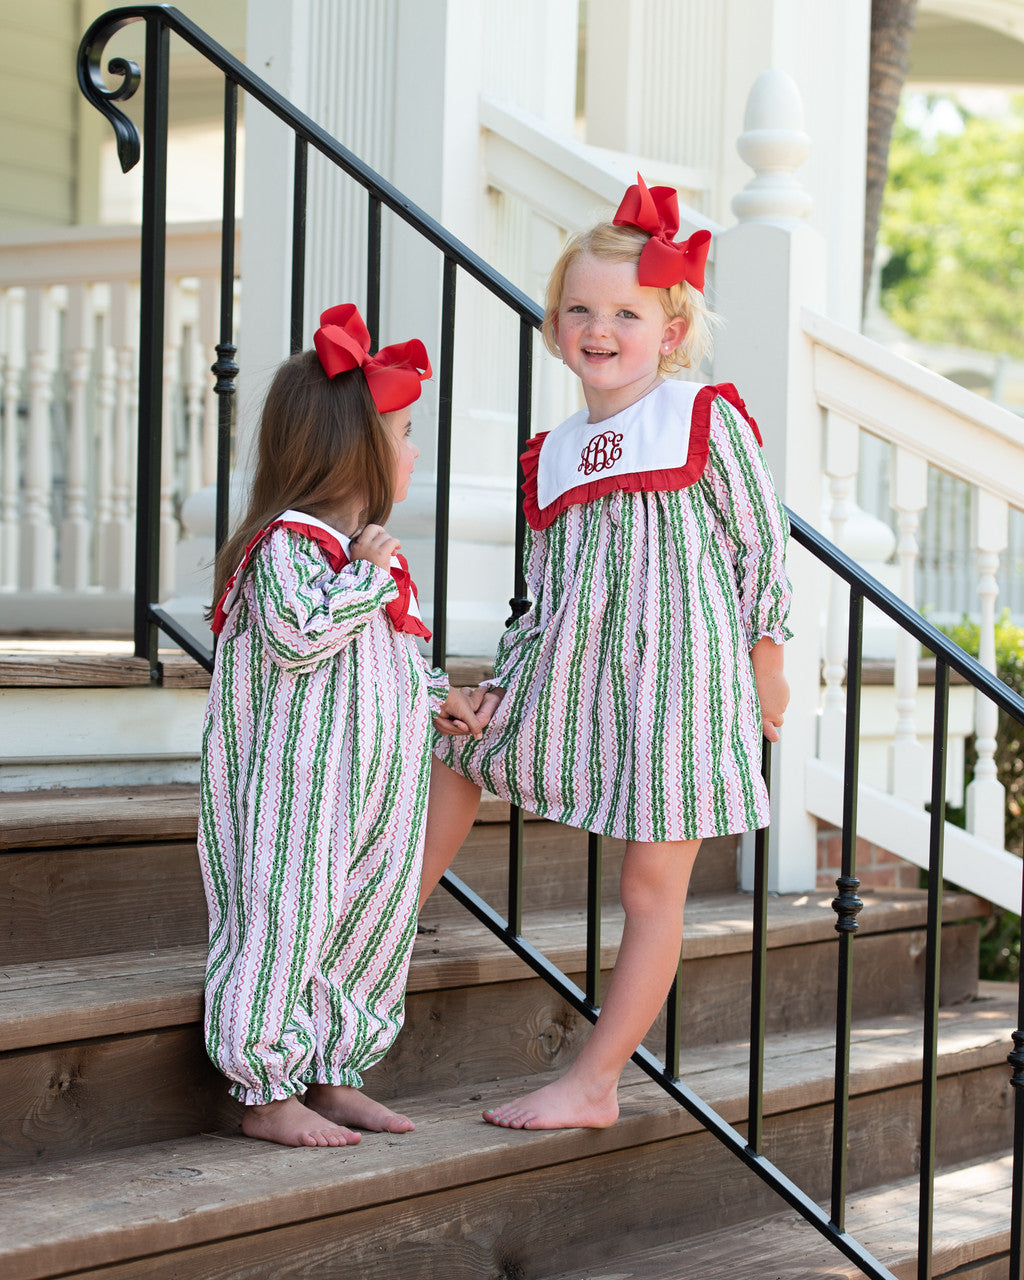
point(467, 711)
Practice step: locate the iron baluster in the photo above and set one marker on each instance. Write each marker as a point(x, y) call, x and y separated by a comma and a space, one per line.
point(519, 603)
point(846, 905)
point(595, 846)
point(298, 301)
point(444, 461)
point(1016, 1061)
point(673, 1021)
point(758, 970)
point(933, 960)
point(515, 869)
point(151, 342)
point(225, 369)
point(373, 220)
point(525, 403)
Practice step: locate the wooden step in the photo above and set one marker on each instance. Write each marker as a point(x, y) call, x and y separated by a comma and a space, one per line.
point(971, 1238)
point(80, 1039)
point(451, 1199)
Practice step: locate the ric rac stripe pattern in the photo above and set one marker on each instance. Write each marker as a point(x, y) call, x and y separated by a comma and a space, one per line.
point(631, 708)
point(316, 762)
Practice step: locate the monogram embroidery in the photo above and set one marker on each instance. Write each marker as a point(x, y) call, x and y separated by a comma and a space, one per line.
point(602, 452)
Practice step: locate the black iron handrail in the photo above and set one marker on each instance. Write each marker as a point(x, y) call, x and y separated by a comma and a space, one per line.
point(150, 617)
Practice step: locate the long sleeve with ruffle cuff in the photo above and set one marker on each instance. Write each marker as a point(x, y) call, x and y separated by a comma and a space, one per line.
point(437, 689)
point(306, 612)
point(755, 523)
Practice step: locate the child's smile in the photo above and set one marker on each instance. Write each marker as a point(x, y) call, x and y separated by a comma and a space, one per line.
point(612, 331)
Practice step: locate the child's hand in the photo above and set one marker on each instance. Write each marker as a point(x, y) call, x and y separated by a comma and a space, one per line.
point(375, 544)
point(485, 703)
point(458, 717)
point(772, 685)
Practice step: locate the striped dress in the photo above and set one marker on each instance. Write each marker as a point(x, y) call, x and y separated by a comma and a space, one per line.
point(316, 759)
point(631, 708)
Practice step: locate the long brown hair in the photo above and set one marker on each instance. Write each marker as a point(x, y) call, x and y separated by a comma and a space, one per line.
point(321, 441)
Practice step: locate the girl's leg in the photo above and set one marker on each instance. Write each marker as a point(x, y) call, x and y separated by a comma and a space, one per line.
point(655, 880)
point(451, 812)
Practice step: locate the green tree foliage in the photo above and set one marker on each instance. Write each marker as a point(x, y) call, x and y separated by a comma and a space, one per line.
point(953, 221)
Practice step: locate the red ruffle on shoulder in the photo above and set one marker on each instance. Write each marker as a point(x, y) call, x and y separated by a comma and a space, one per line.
point(636, 481)
point(398, 610)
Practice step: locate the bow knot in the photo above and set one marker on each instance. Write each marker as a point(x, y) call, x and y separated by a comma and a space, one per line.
point(663, 261)
point(393, 375)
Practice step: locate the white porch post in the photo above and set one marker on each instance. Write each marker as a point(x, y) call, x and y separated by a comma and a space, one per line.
point(767, 268)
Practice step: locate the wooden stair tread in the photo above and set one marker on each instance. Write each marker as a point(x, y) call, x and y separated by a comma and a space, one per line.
point(971, 1223)
point(150, 1199)
point(92, 665)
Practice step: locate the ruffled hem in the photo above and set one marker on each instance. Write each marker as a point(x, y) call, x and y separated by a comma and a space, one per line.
point(671, 478)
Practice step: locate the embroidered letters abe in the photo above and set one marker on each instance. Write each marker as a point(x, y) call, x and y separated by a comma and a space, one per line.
point(602, 452)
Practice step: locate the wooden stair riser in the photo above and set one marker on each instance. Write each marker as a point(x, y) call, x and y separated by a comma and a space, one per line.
point(663, 1191)
point(100, 1095)
point(91, 899)
point(95, 899)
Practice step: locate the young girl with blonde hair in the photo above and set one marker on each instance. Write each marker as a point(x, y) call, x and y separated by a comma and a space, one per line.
point(632, 697)
point(316, 748)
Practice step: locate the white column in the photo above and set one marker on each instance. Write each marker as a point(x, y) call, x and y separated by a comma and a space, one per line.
point(908, 761)
point(986, 797)
point(766, 269)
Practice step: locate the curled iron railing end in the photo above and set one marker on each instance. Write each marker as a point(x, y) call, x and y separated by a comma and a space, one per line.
point(102, 97)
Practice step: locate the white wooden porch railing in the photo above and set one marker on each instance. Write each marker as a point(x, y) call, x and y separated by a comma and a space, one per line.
point(930, 425)
point(68, 356)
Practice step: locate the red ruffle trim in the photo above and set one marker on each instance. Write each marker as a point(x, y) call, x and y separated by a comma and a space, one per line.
point(397, 609)
point(636, 481)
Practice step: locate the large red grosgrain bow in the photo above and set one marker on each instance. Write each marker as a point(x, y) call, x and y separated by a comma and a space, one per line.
point(663, 261)
point(393, 375)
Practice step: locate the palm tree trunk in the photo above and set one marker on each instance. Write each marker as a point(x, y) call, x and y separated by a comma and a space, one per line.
point(892, 22)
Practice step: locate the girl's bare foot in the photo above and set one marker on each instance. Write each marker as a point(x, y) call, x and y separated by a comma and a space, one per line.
point(293, 1124)
point(345, 1105)
point(559, 1105)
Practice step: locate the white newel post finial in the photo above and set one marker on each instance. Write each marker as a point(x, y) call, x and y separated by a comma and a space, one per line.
point(774, 144)
point(768, 268)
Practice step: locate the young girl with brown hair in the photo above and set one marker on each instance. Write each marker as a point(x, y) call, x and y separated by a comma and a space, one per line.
point(316, 748)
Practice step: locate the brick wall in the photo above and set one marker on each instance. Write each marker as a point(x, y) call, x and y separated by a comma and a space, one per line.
point(875, 868)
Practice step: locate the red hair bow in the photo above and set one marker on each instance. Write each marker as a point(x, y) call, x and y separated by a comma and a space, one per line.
point(663, 262)
point(393, 375)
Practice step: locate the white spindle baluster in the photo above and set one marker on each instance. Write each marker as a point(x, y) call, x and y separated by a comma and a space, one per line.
point(986, 799)
point(103, 435)
point(209, 314)
point(193, 411)
point(908, 762)
point(172, 414)
point(13, 304)
point(841, 461)
point(38, 540)
point(117, 556)
point(75, 529)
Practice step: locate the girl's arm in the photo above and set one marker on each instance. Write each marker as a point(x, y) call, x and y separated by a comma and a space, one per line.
point(739, 486)
point(307, 612)
point(772, 685)
point(510, 646)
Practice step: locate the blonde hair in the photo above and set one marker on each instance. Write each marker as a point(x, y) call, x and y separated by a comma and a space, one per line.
point(321, 442)
point(609, 243)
